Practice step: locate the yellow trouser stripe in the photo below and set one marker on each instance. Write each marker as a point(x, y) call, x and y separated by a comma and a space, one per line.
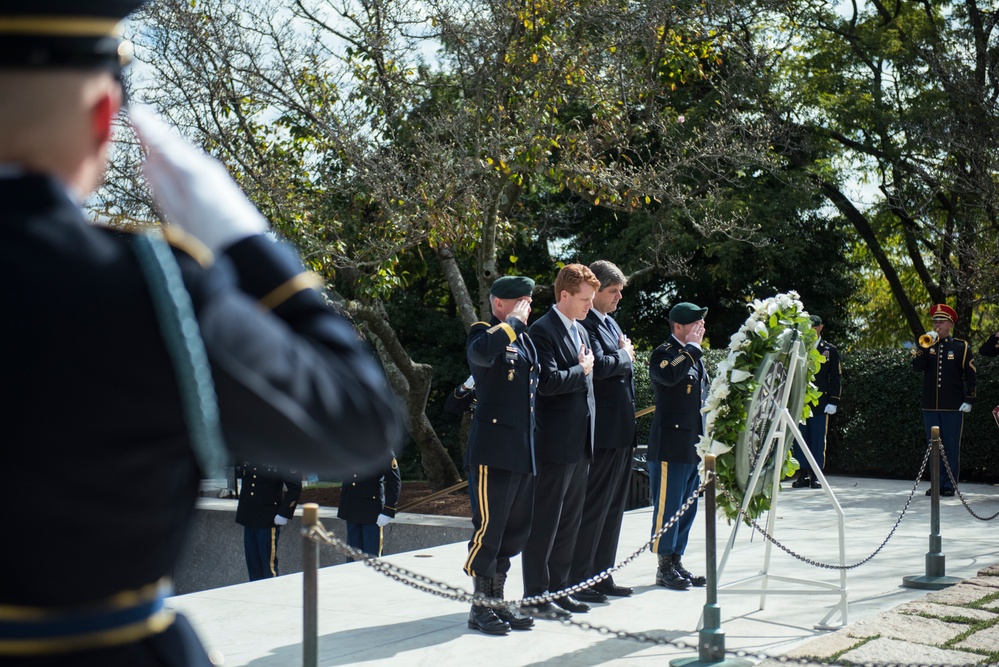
point(660, 512)
point(483, 503)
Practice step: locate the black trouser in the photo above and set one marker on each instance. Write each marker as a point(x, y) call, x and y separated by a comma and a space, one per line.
point(603, 509)
point(558, 509)
point(501, 516)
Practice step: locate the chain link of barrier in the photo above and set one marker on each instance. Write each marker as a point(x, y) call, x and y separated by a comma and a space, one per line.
point(828, 566)
point(950, 474)
point(426, 584)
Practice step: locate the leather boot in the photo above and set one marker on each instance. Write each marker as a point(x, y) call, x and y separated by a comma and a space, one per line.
point(667, 575)
point(484, 619)
point(695, 580)
point(509, 613)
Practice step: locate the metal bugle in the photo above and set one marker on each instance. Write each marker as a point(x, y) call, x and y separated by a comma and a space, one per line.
point(928, 339)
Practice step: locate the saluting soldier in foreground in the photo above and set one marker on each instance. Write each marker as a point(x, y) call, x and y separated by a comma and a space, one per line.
point(93, 398)
point(949, 386)
point(501, 457)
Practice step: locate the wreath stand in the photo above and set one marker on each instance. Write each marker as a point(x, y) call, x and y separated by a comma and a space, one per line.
point(782, 430)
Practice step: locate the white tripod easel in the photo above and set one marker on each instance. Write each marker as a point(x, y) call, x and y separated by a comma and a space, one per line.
point(783, 429)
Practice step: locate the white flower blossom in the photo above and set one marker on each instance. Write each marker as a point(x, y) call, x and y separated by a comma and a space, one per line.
point(738, 376)
point(762, 329)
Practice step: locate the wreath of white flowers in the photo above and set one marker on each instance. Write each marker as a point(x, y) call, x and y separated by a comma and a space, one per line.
point(727, 406)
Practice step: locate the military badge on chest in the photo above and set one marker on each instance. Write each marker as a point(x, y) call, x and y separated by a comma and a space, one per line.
point(511, 359)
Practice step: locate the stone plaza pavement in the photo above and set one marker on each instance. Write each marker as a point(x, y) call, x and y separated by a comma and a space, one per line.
point(366, 618)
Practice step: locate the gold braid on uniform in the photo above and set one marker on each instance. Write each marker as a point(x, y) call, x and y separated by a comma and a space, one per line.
point(289, 288)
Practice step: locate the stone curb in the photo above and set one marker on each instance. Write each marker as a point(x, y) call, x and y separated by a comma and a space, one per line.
point(921, 631)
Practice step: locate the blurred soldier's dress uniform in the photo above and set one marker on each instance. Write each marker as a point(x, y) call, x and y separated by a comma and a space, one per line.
point(96, 433)
point(267, 500)
point(949, 387)
point(367, 504)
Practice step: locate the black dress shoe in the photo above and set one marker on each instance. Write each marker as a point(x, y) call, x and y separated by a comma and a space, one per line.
point(947, 492)
point(802, 482)
point(589, 595)
point(815, 484)
point(608, 587)
point(545, 610)
point(571, 604)
point(929, 491)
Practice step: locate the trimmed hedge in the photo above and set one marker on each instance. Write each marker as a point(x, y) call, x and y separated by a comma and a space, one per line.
point(878, 430)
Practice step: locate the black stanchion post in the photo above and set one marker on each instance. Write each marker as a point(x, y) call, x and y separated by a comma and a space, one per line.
point(711, 639)
point(310, 587)
point(936, 571)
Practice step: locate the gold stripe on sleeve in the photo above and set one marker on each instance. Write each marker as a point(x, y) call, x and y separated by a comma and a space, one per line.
point(289, 288)
point(64, 26)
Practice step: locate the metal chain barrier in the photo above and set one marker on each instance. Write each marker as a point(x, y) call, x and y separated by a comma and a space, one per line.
point(320, 535)
point(440, 589)
point(828, 566)
point(950, 474)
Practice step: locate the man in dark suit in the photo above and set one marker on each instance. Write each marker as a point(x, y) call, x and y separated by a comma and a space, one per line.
point(614, 442)
point(829, 380)
point(125, 356)
point(949, 387)
point(368, 504)
point(501, 454)
point(564, 435)
point(267, 500)
point(680, 387)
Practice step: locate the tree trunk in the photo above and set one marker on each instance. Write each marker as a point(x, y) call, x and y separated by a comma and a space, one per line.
point(411, 381)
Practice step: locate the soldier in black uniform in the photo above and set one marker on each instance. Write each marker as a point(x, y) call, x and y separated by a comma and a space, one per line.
point(93, 397)
point(267, 500)
point(680, 387)
point(829, 381)
point(949, 385)
point(368, 503)
point(501, 452)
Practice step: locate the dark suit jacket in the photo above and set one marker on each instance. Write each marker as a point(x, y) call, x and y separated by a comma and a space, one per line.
point(677, 384)
point(613, 386)
point(829, 379)
point(505, 365)
point(363, 498)
point(262, 495)
point(566, 409)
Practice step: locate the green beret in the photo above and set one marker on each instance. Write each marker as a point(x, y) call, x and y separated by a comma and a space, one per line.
point(816, 320)
point(512, 287)
point(686, 313)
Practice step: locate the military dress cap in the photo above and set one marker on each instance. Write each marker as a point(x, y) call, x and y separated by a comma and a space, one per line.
point(512, 287)
point(58, 34)
point(816, 320)
point(686, 313)
point(942, 311)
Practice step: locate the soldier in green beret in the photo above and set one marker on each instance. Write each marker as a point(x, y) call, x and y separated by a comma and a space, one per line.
point(680, 387)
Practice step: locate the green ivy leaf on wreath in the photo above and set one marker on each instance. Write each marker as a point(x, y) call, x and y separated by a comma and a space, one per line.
point(727, 405)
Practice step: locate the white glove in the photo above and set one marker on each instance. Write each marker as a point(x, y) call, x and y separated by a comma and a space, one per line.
point(280, 520)
point(469, 384)
point(830, 409)
point(191, 188)
point(383, 520)
point(965, 407)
